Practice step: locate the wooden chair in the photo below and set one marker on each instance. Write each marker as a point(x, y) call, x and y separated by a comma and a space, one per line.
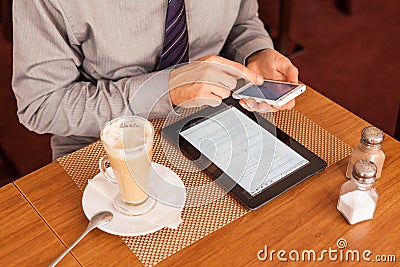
point(344, 6)
point(8, 171)
point(397, 129)
point(6, 19)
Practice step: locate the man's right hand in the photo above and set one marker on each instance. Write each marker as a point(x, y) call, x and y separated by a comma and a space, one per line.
point(207, 81)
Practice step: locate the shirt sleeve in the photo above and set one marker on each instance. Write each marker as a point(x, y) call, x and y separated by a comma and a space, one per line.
point(54, 96)
point(248, 34)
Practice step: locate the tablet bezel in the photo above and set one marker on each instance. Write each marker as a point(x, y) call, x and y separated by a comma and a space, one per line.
point(316, 164)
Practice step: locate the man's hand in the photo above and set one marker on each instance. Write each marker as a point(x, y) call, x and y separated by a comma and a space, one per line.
point(207, 81)
point(271, 65)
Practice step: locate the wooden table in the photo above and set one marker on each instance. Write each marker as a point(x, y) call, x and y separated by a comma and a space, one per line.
point(24, 237)
point(305, 218)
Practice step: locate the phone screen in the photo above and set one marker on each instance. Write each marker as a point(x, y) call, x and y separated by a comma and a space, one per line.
point(268, 90)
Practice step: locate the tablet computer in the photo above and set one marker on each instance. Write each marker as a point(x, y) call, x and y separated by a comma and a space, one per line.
point(245, 153)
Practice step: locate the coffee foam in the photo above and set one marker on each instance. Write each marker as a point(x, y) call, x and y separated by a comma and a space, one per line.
point(120, 134)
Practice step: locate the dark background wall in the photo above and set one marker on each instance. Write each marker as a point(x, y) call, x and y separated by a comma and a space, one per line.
point(352, 59)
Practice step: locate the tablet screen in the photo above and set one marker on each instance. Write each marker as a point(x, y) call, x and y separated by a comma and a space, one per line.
point(253, 157)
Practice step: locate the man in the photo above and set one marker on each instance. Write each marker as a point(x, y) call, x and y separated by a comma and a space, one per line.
point(78, 64)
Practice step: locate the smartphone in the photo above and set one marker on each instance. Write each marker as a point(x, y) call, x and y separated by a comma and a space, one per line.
point(275, 93)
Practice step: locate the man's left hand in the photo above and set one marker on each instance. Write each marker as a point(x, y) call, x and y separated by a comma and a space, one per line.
point(271, 65)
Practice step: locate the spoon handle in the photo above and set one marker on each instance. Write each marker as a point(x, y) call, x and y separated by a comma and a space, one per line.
point(87, 230)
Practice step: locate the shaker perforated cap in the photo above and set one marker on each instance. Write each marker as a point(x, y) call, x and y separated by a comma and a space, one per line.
point(372, 136)
point(364, 171)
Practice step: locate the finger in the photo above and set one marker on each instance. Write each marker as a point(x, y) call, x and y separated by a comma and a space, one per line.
point(221, 78)
point(292, 74)
point(277, 76)
point(288, 105)
point(263, 107)
point(242, 102)
point(209, 74)
point(256, 107)
point(285, 66)
point(250, 103)
point(272, 109)
point(227, 81)
point(204, 89)
point(235, 69)
point(218, 90)
point(211, 100)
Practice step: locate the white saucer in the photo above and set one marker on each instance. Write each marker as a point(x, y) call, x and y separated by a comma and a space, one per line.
point(168, 188)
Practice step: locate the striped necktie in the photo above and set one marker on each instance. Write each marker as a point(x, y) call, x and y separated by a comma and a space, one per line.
point(176, 45)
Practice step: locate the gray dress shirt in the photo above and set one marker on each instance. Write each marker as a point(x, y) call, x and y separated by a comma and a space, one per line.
point(80, 63)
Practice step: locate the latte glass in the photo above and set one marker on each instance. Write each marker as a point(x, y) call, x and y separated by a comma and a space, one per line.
point(128, 141)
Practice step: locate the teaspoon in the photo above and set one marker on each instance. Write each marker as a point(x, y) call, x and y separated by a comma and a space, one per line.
point(97, 220)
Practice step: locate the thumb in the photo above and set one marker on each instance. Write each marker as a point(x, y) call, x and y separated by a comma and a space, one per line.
point(292, 74)
point(287, 69)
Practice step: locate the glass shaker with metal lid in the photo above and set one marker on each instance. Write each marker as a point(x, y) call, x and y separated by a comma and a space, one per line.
point(358, 196)
point(369, 149)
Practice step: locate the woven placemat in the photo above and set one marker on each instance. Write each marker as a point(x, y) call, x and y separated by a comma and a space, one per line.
point(199, 220)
